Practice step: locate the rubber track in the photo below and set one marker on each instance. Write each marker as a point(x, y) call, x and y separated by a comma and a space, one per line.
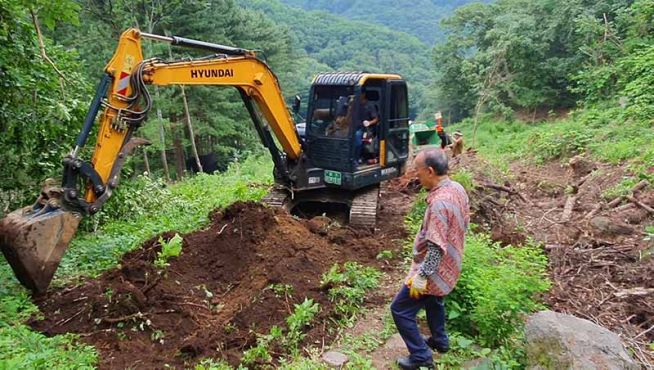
point(276, 198)
point(363, 212)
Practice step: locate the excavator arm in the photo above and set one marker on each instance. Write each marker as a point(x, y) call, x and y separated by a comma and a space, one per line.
point(34, 239)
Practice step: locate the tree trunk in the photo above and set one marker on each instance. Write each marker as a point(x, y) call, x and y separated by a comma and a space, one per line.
point(147, 162)
point(188, 121)
point(179, 153)
point(162, 135)
point(190, 130)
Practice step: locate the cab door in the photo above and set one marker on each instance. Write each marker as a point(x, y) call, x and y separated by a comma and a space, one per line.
point(394, 147)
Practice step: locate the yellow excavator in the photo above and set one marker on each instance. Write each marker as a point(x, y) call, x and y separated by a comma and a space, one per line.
point(321, 161)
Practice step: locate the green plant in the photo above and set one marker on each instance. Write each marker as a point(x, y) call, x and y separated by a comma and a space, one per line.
point(347, 286)
point(301, 317)
point(465, 178)
point(211, 364)
point(281, 290)
point(385, 255)
point(497, 287)
point(170, 248)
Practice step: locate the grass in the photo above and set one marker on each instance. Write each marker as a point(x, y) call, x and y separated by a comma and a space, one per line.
point(182, 207)
point(604, 134)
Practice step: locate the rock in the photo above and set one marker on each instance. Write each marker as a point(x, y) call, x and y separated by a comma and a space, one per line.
point(560, 341)
point(319, 225)
point(605, 225)
point(581, 166)
point(395, 342)
point(334, 360)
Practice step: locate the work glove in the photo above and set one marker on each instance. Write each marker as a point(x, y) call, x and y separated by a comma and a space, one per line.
point(366, 123)
point(417, 286)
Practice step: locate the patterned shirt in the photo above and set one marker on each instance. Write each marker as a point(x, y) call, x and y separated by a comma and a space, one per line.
point(446, 220)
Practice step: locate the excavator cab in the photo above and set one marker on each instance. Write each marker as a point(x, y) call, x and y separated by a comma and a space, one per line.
point(344, 162)
point(350, 159)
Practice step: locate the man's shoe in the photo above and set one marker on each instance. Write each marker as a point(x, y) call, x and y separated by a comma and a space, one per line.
point(434, 346)
point(406, 363)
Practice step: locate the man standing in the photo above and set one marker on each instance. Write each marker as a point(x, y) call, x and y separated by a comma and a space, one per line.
point(436, 266)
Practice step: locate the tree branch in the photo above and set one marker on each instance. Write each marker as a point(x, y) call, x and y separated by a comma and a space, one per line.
point(42, 45)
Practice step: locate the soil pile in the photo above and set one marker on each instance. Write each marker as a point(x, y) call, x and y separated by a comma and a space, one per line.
point(212, 299)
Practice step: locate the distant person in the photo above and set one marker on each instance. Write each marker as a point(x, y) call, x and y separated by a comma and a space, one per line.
point(366, 116)
point(436, 266)
point(457, 144)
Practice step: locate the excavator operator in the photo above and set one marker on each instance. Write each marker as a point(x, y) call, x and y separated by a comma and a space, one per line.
point(367, 117)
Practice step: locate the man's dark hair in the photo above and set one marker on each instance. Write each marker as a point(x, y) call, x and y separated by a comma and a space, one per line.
point(437, 159)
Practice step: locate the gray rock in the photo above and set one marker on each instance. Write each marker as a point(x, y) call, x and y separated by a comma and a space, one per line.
point(560, 341)
point(334, 360)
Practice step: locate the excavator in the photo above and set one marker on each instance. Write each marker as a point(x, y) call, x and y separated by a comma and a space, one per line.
point(323, 165)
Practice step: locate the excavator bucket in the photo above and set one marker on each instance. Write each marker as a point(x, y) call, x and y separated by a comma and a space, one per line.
point(33, 242)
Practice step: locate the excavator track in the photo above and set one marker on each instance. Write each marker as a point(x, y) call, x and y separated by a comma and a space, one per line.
point(363, 212)
point(276, 198)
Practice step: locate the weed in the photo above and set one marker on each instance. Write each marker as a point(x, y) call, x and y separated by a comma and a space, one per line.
point(347, 286)
point(170, 248)
point(281, 290)
point(301, 317)
point(385, 255)
point(211, 364)
point(465, 178)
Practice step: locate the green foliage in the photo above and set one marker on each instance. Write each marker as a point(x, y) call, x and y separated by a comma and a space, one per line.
point(133, 199)
point(515, 54)
point(40, 111)
point(211, 364)
point(21, 348)
point(419, 18)
point(347, 286)
point(497, 288)
point(385, 255)
point(170, 248)
point(465, 178)
point(301, 317)
point(259, 355)
point(343, 45)
point(281, 290)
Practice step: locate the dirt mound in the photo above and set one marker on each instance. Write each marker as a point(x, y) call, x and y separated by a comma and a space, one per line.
point(214, 297)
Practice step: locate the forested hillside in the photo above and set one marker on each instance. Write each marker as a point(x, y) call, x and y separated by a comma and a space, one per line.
point(418, 18)
point(540, 56)
point(344, 45)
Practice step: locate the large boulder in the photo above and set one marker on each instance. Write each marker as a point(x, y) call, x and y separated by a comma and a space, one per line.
point(560, 341)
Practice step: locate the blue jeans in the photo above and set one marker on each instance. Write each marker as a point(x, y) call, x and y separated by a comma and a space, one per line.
point(358, 145)
point(405, 310)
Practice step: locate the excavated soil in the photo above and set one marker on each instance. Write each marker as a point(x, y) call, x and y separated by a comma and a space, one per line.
point(601, 262)
point(213, 299)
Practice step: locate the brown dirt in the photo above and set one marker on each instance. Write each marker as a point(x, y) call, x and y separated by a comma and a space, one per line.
point(215, 296)
point(601, 266)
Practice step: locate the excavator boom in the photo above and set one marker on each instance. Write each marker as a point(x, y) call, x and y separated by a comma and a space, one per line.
point(34, 239)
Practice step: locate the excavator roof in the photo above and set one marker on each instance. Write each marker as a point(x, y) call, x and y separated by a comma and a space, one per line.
point(350, 78)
